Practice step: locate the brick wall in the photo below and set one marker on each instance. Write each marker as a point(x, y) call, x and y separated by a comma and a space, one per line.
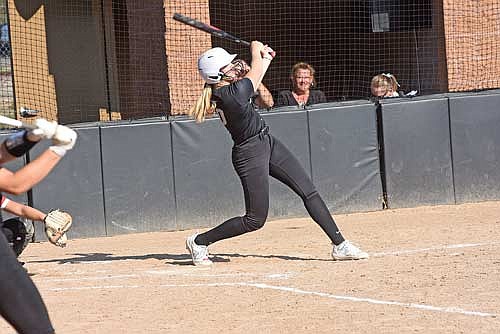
point(472, 32)
point(183, 46)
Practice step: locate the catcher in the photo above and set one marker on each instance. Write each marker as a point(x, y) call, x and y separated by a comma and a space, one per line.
point(19, 231)
point(21, 304)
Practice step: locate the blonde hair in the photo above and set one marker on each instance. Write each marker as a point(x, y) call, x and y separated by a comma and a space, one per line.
point(385, 80)
point(203, 106)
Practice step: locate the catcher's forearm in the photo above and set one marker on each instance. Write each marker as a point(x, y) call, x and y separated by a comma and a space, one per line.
point(32, 213)
point(24, 211)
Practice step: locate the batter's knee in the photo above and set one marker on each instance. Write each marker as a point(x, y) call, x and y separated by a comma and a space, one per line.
point(253, 223)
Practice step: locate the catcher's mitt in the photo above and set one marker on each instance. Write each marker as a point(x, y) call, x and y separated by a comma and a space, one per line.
point(57, 223)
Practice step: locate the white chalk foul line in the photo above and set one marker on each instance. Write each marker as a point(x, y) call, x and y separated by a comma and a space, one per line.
point(94, 278)
point(424, 307)
point(159, 273)
point(427, 249)
point(373, 301)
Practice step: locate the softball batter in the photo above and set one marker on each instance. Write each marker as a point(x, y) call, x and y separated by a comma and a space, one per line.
point(256, 154)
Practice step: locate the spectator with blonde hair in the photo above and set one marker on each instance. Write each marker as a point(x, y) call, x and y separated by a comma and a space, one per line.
point(386, 85)
point(302, 94)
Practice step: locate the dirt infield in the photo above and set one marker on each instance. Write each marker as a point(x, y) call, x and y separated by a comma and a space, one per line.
point(432, 270)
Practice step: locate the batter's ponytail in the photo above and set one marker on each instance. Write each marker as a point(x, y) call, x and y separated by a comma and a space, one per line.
point(203, 106)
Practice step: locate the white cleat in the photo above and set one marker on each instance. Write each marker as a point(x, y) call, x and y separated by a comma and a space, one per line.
point(347, 251)
point(199, 253)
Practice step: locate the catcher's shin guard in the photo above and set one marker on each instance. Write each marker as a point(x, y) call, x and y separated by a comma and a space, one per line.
point(19, 232)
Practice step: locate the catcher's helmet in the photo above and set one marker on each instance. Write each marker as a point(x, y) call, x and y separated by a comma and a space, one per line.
point(210, 63)
point(19, 233)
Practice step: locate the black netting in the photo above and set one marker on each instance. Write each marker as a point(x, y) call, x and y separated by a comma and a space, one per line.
point(89, 60)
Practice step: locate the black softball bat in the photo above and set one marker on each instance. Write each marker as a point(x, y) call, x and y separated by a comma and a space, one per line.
point(214, 31)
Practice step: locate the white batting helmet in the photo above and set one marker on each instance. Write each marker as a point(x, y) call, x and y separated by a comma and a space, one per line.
point(210, 63)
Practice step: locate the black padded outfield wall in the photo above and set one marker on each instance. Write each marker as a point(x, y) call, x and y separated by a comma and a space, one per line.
point(475, 124)
point(417, 151)
point(75, 185)
point(207, 188)
point(344, 155)
point(291, 129)
point(137, 177)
